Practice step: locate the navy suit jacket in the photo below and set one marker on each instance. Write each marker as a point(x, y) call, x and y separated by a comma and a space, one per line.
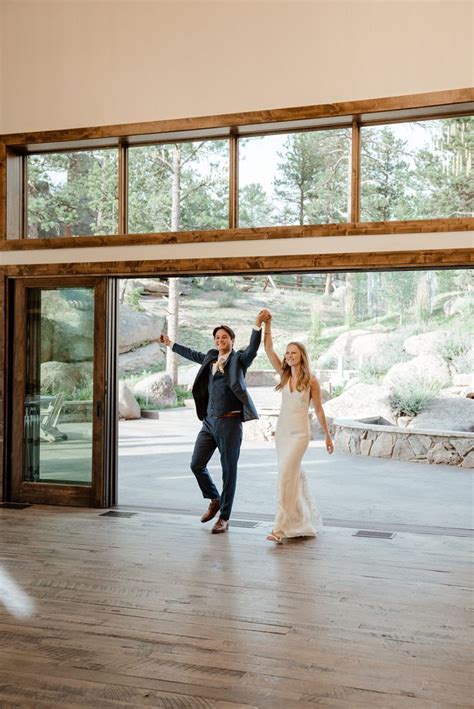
point(234, 370)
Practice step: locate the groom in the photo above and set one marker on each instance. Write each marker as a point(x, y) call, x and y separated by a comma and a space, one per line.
point(222, 403)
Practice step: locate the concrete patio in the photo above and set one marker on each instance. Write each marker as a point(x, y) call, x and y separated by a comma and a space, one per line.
point(154, 472)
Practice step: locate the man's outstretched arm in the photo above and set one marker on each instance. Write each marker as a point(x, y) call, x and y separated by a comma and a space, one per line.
point(185, 352)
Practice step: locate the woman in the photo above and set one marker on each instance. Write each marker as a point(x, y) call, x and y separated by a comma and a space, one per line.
point(296, 515)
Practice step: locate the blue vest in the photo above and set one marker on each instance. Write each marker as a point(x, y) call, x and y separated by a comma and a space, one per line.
point(221, 397)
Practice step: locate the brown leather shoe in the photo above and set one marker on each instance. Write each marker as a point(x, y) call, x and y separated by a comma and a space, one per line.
point(221, 526)
point(212, 510)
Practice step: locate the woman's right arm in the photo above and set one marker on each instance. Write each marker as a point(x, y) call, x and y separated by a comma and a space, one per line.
point(270, 352)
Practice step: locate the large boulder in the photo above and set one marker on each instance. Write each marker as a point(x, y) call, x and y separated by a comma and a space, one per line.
point(430, 368)
point(360, 401)
point(458, 304)
point(67, 325)
point(158, 389)
point(141, 359)
point(65, 377)
point(355, 345)
point(426, 343)
point(136, 329)
point(446, 414)
point(129, 407)
point(146, 286)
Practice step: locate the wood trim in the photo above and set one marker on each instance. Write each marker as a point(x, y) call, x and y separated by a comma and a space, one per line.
point(233, 182)
point(98, 405)
point(355, 172)
point(421, 259)
point(3, 192)
point(257, 233)
point(3, 383)
point(56, 494)
point(122, 189)
point(343, 108)
point(18, 377)
point(15, 203)
point(44, 492)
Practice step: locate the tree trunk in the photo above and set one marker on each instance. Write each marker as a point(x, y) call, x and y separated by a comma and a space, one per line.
point(328, 285)
point(370, 294)
point(349, 300)
point(173, 294)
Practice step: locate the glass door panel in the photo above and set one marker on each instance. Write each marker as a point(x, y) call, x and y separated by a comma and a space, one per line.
point(59, 385)
point(59, 380)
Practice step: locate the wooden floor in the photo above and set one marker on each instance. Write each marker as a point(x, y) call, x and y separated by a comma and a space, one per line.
point(153, 610)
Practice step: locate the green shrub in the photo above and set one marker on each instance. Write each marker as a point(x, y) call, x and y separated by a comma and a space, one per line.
point(374, 368)
point(133, 299)
point(463, 364)
point(315, 333)
point(82, 394)
point(412, 395)
point(182, 393)
point(455, 345)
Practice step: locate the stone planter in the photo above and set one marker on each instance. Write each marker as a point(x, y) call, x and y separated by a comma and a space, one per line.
point(377, 438)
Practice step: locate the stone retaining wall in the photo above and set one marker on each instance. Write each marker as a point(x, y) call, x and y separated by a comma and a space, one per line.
point(448, 447)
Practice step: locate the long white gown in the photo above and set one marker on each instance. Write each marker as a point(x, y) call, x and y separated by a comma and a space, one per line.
point(296, 514)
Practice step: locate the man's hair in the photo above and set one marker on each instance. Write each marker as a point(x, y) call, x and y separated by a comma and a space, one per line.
point(228, 330)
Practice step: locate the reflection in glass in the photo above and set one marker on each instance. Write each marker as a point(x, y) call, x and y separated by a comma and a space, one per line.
point(59, 381)
point(419, 170)
point(73, 194)
point(178, 186)
point(296, 178)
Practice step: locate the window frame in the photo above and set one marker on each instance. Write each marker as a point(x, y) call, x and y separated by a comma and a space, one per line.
point(356, 114)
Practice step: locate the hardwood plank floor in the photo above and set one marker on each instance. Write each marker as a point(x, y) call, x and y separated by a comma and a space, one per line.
point(153, 610)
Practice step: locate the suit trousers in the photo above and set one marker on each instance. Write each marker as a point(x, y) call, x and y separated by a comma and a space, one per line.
point(225, 434)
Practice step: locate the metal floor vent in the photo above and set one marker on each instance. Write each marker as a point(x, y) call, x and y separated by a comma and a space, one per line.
point(114, 513)
point(14, 505)
point(374, 534)
point(249, 524)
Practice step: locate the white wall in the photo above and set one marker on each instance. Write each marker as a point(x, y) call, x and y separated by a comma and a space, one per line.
point(74, 63)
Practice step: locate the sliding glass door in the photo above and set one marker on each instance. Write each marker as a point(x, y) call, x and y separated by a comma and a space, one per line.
point(60, 394)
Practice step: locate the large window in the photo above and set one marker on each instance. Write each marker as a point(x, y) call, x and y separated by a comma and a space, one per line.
point(418, 170)
point(178, 186)
point(72, 193)
point(296, 178)
point(359, 169)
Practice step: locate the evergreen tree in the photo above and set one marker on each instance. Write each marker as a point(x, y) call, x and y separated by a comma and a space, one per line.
point(444, 170)
point(311, 186)
point(386, 184)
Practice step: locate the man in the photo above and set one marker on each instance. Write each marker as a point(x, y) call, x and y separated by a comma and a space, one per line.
point(222, 403)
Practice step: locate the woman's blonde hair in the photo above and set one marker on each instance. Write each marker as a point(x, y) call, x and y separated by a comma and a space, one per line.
point(304, 377)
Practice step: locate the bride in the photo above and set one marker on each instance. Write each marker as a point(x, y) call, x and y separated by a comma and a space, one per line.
point(296, 515)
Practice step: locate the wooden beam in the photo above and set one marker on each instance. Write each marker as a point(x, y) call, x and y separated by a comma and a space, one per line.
point(249, 118)
point(436, 258)
point(257, 233)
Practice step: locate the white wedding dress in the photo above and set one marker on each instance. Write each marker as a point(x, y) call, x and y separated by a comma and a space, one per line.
point(296, 514)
